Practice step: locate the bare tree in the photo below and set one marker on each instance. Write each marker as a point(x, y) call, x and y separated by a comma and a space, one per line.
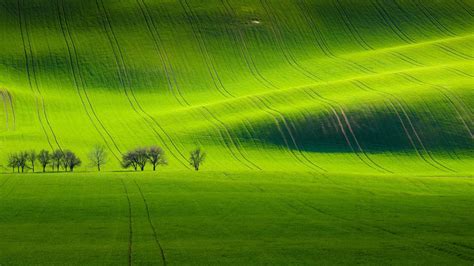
point(57, 158)
point(32, 156)
point(22, 160)
point(98, 156)
point(141, 157)
point(129, 159)
point(44, 158)
point(70, 160)
point(156, 156)
point(196, 158)
point(65, 160)
point(13, 162)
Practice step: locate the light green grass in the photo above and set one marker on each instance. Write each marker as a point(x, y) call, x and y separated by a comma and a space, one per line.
point(238, 218)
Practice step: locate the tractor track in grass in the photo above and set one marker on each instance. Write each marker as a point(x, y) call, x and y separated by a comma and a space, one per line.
point(453, 51)
point(231, 139)
point(153, 228)
point(444, 92)
point(125, 82)
point(459, 72)
point(321, 42)
point(277, 122)
point(259, 77)
point(420, 244)
point(10, 101)
point(5, 110)
point(158, 43)
point(31, 76)
point(171, 76)
point(463, 5)
point(223, 137)
point(244, 50)
point(197, 34)
point(277, 114)
point(345, 119)
point(390, 23)
point(289, 58)
point(79, 79)
point(352, 29)
point(443, 29)
point(415, 80)
point(130, 223)
point(395, 101)
point(8, 107)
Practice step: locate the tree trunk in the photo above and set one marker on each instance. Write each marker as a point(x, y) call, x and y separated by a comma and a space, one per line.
point(98, 167)
point(44, 168)
point(154, 167)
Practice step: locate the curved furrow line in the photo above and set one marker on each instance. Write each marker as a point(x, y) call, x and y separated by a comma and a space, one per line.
point(444, 91)
point(352, 29)
point(289, 58)
point(130, 227)
point(321, 42)
point(433, 20)
point(12, 107)
point(275, 118)
point(231, 138)
point(277, 114)
point(172, 77)
point(125, 83)
point(393, 25)
point(240, 38)
point(466, 8)
point(346, 121)
point(400, 104)
point(459, 72)
point(79, 80)
point(197, 34)
point(155, 234)
point(224, 137)
point(157, 41)
point(5, 109)
point(31, 74)
point(407, 59)
point(413, 79)
point(453, 51)
point(316, 33)
point(261, 79)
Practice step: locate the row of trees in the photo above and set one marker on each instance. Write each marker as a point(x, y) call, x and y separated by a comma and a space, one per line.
point(57, 159)
point(139, 157)
point(67, 160)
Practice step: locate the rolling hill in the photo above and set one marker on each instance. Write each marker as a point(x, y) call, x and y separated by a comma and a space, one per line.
point(317, 85)
point(337, 131)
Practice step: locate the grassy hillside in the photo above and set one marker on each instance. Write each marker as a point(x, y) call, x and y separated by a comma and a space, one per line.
point(337, 132)
point(347, 86)
point(241, 218)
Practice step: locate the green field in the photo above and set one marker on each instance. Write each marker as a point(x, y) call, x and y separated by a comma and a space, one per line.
point(336, 131)
point(238, 218)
